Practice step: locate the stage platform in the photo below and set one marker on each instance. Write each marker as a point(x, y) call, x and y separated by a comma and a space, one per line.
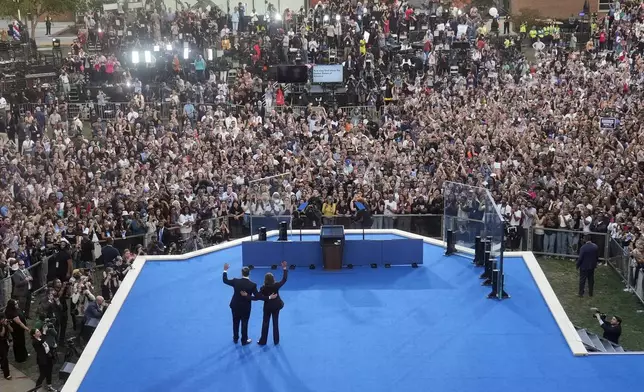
point(377, 330)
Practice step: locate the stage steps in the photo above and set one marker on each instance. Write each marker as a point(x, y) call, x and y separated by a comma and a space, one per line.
point(595, 343)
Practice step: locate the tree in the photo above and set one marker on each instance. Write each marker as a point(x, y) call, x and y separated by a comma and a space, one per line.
point(32, 10)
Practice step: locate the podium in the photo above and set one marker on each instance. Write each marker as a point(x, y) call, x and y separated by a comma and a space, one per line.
point(332, 242)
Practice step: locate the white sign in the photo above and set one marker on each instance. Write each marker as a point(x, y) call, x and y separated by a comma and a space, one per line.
point(328, 73)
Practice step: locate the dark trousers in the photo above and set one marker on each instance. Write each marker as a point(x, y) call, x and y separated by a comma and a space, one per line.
point(62, 327)
point(275, 314)
point(48, 29)
point(4, 357)
point(239, 318)
point(586, 275)
point(25, 303)
point(45, 373)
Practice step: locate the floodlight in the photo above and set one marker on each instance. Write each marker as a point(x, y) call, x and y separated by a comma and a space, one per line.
point(210, 54)
point(100, 30)
point(326, 18)
point(147, 56)
point(278, 16)
point(55, 43)
point(156, 48)
point(186, 53)
point(135, 57)
point(168, 47)
point(337, 18)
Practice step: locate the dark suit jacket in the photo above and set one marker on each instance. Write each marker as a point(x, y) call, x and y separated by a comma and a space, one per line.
point(93, 311)
point(20, 283)
point(42, 358)
point(164, 235)
point(108, 254)
point(239, 303)
point(275, 303)
point(588, 257)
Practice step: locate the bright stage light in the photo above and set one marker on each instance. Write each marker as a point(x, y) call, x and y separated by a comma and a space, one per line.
point(147, 56)
point(135, 57)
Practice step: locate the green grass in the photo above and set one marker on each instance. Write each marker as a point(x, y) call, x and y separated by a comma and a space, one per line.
point(609, 297)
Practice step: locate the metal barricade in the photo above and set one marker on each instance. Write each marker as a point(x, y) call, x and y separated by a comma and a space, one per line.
point(561, 242)
point(38, 272)
point(358, 113)
point(619, 259)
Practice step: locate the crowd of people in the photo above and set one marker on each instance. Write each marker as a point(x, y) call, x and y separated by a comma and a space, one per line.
point(525, 128)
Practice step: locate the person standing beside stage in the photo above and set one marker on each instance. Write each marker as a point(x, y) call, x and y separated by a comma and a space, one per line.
point(240, 303)
point(586, 264)
point(44, 358)
point(272, 307)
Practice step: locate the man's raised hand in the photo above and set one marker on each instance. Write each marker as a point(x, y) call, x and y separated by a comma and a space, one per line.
point(226, 266)
point(284, 265)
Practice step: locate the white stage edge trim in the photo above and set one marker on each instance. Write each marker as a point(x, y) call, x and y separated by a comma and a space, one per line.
point(91, 350)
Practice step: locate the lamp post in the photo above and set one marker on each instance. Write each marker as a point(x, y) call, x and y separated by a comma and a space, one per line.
point(18, 6)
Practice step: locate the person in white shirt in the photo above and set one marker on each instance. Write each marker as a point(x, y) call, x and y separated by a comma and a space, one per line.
point(391, 208)
point(563, 237)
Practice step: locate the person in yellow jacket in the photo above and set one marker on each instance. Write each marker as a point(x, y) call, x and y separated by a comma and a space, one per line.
point(328, 210)
point(533, 34)
point(363, 47)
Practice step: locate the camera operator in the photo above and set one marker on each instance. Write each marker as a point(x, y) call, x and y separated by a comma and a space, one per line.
point(5, 332)
point(612, 329)
point(81, 296)
point(110, 282)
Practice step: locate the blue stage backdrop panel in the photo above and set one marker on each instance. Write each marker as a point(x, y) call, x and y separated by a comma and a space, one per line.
point(363, 252)
point(262, 253)
point(302, 253)
point(402, 252)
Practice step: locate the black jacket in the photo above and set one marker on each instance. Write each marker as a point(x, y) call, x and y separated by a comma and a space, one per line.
point(267, 290)
point(588, 257)
point(238, 303)
point(42, 357)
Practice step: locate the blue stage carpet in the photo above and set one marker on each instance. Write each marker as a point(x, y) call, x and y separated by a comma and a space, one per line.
point(386, 330)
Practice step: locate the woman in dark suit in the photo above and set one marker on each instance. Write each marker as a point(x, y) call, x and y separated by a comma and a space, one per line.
point(273, 306)
point(44, 358)
point(19, 326)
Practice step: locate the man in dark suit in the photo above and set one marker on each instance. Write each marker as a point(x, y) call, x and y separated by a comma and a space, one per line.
point(164, 235)
point(586, 264)
point(108, 253)
point(240, 303)
point(22, 284)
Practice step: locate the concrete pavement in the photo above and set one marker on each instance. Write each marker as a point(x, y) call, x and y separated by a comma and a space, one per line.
point(19, 382)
